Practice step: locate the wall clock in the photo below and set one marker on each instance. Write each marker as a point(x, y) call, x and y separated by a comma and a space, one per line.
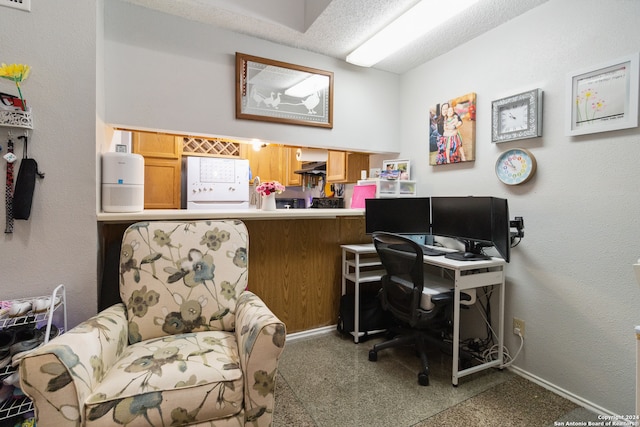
point(515, 166)
point(517, 117)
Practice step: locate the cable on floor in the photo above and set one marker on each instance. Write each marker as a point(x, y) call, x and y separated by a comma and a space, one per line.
point(492, 353)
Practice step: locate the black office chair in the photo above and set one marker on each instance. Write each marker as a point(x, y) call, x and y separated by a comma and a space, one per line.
point(401, 294)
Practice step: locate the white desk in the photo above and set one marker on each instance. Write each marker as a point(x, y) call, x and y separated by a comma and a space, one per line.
point(467, 275)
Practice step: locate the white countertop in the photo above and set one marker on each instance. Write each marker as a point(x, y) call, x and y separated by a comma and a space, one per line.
point(252, 213)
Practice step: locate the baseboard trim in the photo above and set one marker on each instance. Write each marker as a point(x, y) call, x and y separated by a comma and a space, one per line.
point(562, 392)
point(311, 332)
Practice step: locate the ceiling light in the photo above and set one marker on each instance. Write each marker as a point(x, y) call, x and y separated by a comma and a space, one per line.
point(416, 22)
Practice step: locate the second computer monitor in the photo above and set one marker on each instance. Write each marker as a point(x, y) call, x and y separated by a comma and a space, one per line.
point(477, 221)
point(405, 215)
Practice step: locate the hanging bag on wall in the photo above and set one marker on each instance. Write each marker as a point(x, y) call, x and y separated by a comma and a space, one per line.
point(25, 184)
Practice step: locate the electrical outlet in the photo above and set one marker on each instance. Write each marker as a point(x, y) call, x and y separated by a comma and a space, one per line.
point(17, 4)
point(518, 324)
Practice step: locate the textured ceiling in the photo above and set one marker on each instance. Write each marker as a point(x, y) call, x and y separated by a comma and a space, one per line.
point(336, 27)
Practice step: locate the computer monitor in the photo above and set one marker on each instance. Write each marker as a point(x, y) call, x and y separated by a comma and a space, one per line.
point(404, 215)
point(501, 232)
point(476, 221)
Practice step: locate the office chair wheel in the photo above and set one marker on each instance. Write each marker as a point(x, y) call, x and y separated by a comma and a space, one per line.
point(423, 379)
point(373, 356)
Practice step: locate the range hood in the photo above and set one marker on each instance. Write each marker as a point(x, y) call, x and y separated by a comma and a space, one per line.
point(313, 168)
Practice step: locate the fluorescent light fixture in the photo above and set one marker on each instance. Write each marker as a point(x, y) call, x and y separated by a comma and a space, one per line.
point(314, 83)
point(417, 21)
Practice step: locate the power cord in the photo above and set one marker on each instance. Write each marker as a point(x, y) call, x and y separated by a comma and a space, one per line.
point(492, 353)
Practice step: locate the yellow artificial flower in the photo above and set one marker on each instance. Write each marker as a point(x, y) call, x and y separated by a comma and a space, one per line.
point(17, 73)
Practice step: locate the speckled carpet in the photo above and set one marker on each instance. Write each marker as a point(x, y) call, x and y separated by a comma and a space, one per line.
point(327, 381)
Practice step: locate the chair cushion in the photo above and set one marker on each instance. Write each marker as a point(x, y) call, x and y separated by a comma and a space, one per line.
point(175, 380)
point(180, 277)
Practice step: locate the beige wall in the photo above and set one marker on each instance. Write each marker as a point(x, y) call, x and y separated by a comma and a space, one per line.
point(571, 278)
point(58, 243)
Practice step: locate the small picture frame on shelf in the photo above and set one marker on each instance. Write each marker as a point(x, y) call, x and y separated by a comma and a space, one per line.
point(375, 172)
point(396, 169)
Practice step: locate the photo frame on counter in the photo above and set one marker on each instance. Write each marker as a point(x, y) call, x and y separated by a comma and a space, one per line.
point(396, 169)
point(280, 92)
point(603, 98)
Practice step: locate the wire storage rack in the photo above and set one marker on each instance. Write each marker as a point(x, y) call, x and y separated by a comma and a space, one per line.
point(18, 405)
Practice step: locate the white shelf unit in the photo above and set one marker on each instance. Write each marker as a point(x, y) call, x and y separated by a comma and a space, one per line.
point(16, 119)
point(360, 264)
point(391, 187)
point(14, 407)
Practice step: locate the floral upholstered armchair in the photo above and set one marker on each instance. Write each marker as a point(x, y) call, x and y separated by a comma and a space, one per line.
point(188, 345)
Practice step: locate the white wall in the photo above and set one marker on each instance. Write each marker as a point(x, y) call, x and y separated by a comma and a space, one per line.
point(178, 75)
point(58, 243)
point(571, 278)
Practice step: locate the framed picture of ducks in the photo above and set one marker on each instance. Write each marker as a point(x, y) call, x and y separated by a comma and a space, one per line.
point(275, 91)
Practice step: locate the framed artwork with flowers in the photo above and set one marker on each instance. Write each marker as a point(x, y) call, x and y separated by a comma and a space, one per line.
point(603, 98)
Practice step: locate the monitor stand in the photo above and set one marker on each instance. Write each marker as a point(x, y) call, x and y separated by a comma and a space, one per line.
point(466, 256)
point(472, 252)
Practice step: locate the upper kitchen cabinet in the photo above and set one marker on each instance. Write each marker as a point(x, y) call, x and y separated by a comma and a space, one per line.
point(267, 163)
point(273, 163)
point(293, 164)
point(162, 168)
point(161, 145)
point(345, 167)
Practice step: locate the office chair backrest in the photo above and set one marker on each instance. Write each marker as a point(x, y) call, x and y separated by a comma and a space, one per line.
point(402, 286)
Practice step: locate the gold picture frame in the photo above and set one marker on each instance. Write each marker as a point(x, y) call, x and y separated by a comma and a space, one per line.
point(275, 91)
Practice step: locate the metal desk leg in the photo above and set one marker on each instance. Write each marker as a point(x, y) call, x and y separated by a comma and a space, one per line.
point(356, 303)
point(456, 329)
point(501, 322)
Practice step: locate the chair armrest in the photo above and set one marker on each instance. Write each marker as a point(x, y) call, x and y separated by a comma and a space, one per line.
point(261, 337)
point(447, 297)
point(61, 374)
point(443, 298)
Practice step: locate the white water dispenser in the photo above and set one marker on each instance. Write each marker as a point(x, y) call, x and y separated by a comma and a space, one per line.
point(122, 182)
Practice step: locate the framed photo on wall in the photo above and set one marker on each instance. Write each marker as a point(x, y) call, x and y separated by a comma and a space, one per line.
point(396, 169)
point(603, 98)
point(452, 133)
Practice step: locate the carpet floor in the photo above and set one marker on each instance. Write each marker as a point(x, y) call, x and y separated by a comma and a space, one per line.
point(328, 381)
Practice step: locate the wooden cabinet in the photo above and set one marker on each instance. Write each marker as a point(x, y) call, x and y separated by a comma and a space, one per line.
point(278, 163)
point(162, 168)
point(274, 163)
point(293, 164)
point(268, 163)
point(345, 167)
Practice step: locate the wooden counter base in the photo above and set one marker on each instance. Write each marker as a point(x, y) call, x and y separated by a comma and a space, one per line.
point(294, 264)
